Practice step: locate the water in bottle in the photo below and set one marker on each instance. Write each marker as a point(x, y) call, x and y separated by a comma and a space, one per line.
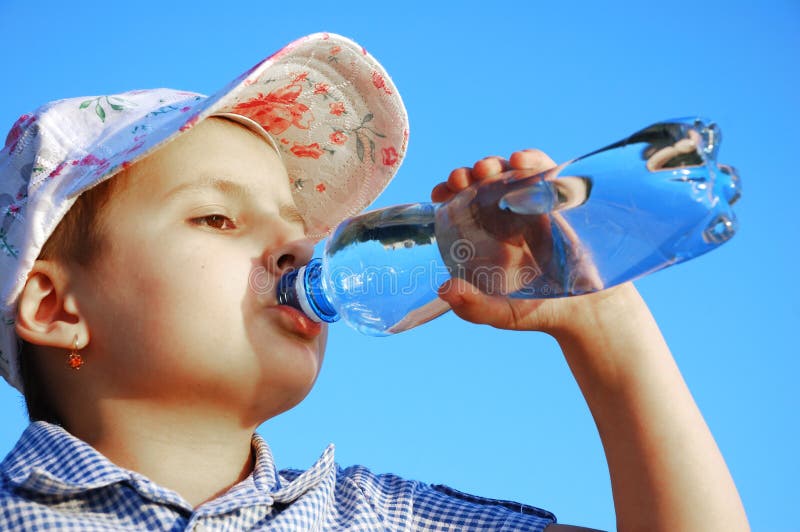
point(654, 199)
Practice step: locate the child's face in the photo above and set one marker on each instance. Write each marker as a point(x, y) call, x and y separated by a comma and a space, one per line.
point(181, 304)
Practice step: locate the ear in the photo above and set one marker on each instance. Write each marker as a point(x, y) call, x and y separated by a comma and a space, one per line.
point(47, 312)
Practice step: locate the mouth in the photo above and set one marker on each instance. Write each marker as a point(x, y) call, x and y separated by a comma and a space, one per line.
point(297, 323)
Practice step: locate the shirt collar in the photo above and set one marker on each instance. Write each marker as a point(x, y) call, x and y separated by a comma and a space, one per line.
point(265, 486)
point(49, 460)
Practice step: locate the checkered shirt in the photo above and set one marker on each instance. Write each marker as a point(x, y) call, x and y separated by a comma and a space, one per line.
point(54, 481)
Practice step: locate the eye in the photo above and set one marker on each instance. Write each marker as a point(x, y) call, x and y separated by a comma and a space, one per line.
point(215, 221)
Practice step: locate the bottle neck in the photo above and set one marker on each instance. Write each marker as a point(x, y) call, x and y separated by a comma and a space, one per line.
point(303, 289)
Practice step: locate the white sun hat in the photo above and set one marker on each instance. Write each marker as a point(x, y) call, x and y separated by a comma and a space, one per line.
point(330, 108)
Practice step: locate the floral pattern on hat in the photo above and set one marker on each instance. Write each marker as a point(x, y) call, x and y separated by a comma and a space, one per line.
point(101, 103)
point(278, 110)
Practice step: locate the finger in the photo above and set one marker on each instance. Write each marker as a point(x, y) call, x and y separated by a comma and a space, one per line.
point(472, 305)
point(535, 160)
point(463, 297)
point(441, 193)
point(459, 179)
point(489, 167)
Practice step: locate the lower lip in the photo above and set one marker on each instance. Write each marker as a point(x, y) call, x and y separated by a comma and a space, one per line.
point(298, 323)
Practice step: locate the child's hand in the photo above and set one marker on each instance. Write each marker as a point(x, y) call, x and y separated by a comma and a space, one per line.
point(666, 470)
point(470, 303)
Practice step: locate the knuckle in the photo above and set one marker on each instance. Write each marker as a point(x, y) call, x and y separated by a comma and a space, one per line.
point(540, 155)
point(534, 151)
point(488, 160)
point(458, 172)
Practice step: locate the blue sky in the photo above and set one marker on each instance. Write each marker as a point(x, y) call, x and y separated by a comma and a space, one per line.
point(493, 412)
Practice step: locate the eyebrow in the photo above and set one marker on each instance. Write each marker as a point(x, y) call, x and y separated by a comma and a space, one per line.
point(231, 188)
point(227, 187)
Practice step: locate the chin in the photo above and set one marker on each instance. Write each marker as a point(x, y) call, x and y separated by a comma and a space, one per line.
point(276, 403)
point(284, 387)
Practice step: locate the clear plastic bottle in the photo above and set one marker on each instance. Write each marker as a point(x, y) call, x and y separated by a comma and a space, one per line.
point(649, 201)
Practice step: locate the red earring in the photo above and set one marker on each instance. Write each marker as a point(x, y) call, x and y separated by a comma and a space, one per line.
point(74, 359)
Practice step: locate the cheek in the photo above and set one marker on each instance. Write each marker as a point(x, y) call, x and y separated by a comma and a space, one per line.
point(174, 297)
point(197, 274)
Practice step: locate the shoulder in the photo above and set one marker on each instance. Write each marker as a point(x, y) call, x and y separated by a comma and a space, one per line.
point(421, 506)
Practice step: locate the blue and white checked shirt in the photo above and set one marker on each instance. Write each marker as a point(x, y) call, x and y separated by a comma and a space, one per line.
point(54, 481)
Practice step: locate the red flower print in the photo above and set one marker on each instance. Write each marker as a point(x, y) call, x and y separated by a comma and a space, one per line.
point(189, 123)
point(90, 160)
point(278, 110)
point(13, 137)
point(337, 108)
point(17, 130)
point(320, 187)
point(380, 83)
point(378, 80)
point(335, 50)
point(58, 169)
point(389, 156)
point(284, 141)
point(135, 147)
point(338, 137)
point(312, 150)
point(300, 77)
point(321, 88)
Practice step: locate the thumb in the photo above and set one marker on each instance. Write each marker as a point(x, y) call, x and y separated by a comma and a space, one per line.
point(471, 304)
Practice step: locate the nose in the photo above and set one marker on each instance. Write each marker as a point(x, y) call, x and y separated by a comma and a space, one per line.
point(288, 256)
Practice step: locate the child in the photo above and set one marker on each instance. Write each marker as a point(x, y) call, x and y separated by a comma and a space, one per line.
point(148, 358)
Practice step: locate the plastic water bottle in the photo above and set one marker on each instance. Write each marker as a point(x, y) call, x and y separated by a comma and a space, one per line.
point(649, 201)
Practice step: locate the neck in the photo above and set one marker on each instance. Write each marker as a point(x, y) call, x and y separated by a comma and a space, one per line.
point(198, 456)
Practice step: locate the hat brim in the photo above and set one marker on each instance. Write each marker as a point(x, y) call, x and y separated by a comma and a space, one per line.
point(335, 116)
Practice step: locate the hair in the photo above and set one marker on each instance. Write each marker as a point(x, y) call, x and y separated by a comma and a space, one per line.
point(78, 239)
